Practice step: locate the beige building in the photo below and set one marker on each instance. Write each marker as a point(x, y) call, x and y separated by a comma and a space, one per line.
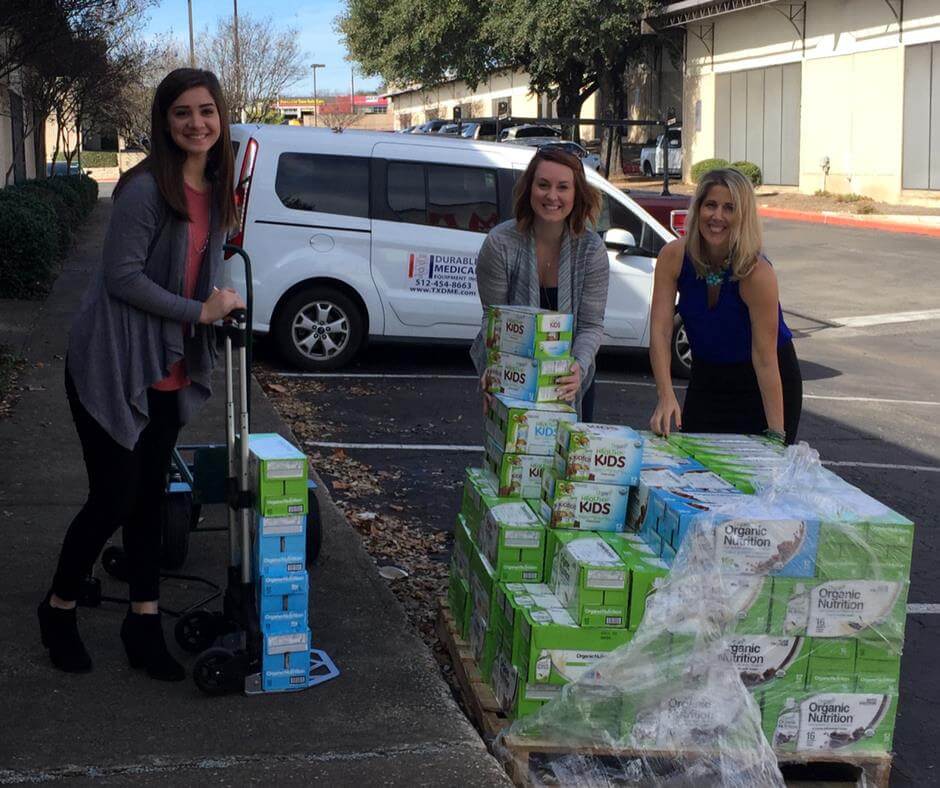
point(501, 93)
point(851, 87)
point(21, 143)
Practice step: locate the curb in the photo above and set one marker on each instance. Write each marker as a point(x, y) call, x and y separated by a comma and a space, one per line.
point(847, 221)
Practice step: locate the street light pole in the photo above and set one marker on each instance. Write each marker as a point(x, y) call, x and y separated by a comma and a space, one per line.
point(316, 103)
point(192, 47)
point(238, 62)
point(352, 90)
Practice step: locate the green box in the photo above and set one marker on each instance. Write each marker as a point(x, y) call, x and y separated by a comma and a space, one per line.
point(521, 427)
point(878, 675)
point(479, 492)
point(512, 537)
point(830, 649)
point(458, 599)
point(770, 662)
point(518, 377)
point(589, 506)
point(277, 475)
point(517, 698)
point(517, 475)
point(871, 610)
point(646, 577)
point(554, 650)
point(556, 538)
point(891, 546)
point(839, 721)
point(484, 643)
point(509, 599)
point(592, 583)
point(529, 331)
point(749, 598)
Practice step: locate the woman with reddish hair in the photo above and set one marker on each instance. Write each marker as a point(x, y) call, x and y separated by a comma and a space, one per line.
point(549, 257)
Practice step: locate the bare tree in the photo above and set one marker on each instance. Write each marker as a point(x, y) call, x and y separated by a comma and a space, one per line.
point(270, 62)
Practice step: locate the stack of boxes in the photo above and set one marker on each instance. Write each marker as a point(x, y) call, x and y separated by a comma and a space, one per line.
point(278, 474)
point(815, 583)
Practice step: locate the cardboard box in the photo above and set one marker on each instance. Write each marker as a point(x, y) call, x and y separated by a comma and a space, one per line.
point(458, 599)
point(836, 721)
point(555, 539)
point(591, 582)
point(598, 453)
point(479, 492)
point(521, 427)
point(528, 331)
point(280, 545)
point(748, 598)
point(556, 651)
point(272, 589)
point(512, 538)
point(285, 661)
point(770, 662)
point(517, 475)
point(278, 475)
point(528, 379)
point(585, 505)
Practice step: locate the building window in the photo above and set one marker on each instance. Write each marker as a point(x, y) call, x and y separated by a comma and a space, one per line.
point(325, 184)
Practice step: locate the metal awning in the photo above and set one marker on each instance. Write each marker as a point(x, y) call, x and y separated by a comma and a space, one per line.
point(687, 11)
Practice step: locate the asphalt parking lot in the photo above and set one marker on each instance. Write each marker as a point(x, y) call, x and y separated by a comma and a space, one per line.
point(865, 309)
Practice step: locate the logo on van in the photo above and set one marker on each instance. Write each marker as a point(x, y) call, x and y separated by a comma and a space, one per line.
point(442, 274)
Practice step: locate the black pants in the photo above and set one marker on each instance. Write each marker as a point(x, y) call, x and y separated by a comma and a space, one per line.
point(587, 403)
point(125, 488)
point(726, 397)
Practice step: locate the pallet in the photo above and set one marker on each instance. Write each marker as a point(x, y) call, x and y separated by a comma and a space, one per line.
point(524, 758)
point(476, 693)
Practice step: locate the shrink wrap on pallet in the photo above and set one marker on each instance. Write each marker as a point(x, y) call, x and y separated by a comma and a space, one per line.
point(737, 662)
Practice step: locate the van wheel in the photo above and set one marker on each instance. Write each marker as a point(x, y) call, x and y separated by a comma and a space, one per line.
point(319, 328)
point(647, 169)
point(681, 351)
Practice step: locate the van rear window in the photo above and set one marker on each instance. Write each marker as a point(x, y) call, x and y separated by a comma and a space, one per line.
point(325, 184)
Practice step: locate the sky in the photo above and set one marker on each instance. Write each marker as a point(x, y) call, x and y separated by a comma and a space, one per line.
point(319, 43)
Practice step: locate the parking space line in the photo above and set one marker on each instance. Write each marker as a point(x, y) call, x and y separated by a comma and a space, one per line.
point(922, 609)
point(882, 466)
point(605, 381)
point(861, 321)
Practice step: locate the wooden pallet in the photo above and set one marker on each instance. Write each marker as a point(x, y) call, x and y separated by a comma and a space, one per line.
point(476, 693)
point(525, 759)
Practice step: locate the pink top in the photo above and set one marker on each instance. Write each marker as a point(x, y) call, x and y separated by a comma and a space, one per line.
point(199, 206)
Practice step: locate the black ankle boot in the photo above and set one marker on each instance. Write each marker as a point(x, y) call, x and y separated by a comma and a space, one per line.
point(58, 629)
point(142, 635)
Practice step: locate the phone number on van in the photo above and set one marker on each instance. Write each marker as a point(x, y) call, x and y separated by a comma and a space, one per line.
point(440, 274)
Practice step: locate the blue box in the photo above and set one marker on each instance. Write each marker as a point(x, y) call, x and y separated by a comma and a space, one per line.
point(285, 661)
point(271, 589)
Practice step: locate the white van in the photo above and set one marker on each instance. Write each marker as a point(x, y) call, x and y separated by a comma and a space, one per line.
point(360, 234)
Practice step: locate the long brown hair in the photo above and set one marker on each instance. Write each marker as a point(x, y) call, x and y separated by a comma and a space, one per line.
point(165, 160)
point(587, 199)
point(746, 237)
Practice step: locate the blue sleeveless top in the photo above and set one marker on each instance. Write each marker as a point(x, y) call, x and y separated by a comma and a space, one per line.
point(721, 335)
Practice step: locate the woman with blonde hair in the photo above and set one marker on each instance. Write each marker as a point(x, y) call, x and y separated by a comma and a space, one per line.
point(745, 373)
point(548, 257)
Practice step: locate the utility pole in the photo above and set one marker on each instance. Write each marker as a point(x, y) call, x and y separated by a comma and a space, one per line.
point(192, 47)
point(352, 91)
point(316, 102)
point(238, 63)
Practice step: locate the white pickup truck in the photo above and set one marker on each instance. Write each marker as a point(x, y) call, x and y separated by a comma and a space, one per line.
point(651, 157)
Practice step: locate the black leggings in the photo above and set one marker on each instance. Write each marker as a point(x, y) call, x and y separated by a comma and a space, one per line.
point(726, 397)
point(125, 488)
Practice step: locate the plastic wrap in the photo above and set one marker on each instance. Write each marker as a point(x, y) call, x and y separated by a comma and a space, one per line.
point(777, 632)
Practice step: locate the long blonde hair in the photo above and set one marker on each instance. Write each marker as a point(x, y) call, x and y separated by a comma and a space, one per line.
point(746, 237)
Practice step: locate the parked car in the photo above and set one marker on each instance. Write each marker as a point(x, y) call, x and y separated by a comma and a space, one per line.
point(529, 134)
point(591, 160)
point(61, 168)
point(651, 156)
point(479, 130)
point(357, 236)
point(670, 211)
point(431, 127)
point(448, 130)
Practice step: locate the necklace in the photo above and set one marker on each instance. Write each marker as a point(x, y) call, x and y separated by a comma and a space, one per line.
point(715, 278)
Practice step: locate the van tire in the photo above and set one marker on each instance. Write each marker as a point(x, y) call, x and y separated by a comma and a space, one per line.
point(680, 350)
point(647, 169)
point(325, 310)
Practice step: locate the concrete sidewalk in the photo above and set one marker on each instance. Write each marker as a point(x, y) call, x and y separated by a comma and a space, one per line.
point(389, 719)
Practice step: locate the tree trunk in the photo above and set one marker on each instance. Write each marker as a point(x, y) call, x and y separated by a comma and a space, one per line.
point(613, 101)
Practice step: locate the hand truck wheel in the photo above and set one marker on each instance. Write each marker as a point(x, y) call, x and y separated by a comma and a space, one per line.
point(114, 562)
point(177, 517)
point(314, 528)
point(218, 671)
point(196, 630)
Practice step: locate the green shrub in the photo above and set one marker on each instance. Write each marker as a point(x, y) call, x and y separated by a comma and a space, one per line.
point(851, 197)
point(99, 158)
point(748, 170)
point(70, 191)
point(54, 201)
point(706, 165)
point(28, 245)
point(865, 206)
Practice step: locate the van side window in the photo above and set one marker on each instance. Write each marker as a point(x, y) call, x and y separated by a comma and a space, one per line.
point(406, 194)
point(462, 198)
point(327, 184)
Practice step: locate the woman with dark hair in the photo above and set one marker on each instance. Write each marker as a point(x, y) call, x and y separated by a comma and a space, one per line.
point(548, 257)
point(140, 357)
point(745, 373)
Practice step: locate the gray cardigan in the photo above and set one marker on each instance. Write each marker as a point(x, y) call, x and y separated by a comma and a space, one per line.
point(128, 329)
point(507, 273)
